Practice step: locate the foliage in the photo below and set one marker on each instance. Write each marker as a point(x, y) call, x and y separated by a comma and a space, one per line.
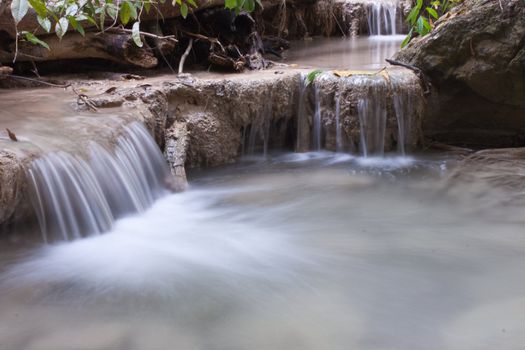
point(65, 14)
point(312, 75)
point(422, 18)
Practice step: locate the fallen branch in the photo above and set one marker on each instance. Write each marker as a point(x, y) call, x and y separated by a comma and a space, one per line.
point(424, 81)
point(36, 81)
point(115, 47)
point(146, 34)
point(184, 56)
point(203, 37)
point(11, 135)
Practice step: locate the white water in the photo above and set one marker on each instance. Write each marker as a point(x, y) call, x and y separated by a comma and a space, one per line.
point(317, 122)
point(338, 131)
point(383, 18)
point(259, 136)
point(74, 198)
point(302, 251)
point(372, 122)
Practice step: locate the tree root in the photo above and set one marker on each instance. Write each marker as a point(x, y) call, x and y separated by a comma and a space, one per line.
point(424, 81)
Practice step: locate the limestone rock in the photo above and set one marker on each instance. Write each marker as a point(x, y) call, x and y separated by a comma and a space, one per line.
point(12, 185)
point(476, 59)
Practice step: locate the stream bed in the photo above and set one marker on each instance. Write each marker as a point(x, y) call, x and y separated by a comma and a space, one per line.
point(296, 251)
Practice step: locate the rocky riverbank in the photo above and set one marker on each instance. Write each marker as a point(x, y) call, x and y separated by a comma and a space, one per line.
point(204, 121)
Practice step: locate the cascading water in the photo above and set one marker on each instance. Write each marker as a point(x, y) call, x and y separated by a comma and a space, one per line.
point(383, 18)
point(74, 198)
point(402, 104)
point(338, 131)
point(372, 114)
point(302, 120)
point(260, 129)
point(316, 141)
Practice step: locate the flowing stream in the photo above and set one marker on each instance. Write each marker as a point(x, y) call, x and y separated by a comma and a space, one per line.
point(298, 251)
point(314, 250)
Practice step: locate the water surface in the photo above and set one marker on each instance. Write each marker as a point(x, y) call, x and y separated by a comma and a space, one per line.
point(299, 251)
point(358, 53)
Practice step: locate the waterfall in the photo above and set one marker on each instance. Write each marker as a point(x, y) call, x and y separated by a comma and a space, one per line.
point(401, 106)
point(338, 134)
point(372, 114)
point(302, 118)
point(260, 128)
point(317, 119)
point(382, 18)
point(74, 198)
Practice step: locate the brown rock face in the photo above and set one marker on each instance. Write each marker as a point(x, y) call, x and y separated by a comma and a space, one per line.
point(476, 59)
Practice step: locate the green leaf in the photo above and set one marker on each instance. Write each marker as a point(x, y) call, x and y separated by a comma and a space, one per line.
point(72, 10)
point(412, 16)
point(77, 26)
point(91, 20)
point(39, 6)
point(426, 25)
point(135, 34)
point(407, 38)
point(112, 11)
point(19, 9)
point(133, 10)
point(230, 4)
point(432, 12)
point(102, 19)
point(125, 12)
point(34, 40)
point(61, 27)
point(420, 28)
point(147, 6)
point(44, 22)
point(192, 3)
point(312, 75)
point(184, 10)
point(249, 5)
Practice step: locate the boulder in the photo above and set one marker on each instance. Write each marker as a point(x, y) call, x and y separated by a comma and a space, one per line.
point(475, 57)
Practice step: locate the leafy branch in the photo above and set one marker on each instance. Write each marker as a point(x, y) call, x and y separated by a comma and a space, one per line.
point(76, 14)
point(422, 18)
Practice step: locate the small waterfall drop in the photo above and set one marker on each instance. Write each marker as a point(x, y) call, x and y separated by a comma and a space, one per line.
point(383, 18)
point(316, 142)
point(338, 131)
point(260, 129)
point(372, 114)
point(401, 106)
point(74, 198)
point(302, 118)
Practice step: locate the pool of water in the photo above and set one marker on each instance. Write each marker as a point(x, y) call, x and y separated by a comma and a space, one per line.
point(357, 53)
point(298, 251)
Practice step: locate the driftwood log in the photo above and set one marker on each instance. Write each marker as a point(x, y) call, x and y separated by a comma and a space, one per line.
point(222, 38)
point(114, 47)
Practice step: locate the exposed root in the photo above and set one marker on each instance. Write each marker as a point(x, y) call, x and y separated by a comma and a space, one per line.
point(184, 56)
point(424, 81)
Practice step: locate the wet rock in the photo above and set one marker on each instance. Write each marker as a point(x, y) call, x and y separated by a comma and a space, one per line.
point(217, 113)
point(476, 59)
point(12, 186)
point(175, 153)
point(494, 175)
point(394, 101)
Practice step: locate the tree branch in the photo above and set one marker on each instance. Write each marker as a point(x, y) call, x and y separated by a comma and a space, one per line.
point(424, 81)
point(184, 56)
point(146, 34)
